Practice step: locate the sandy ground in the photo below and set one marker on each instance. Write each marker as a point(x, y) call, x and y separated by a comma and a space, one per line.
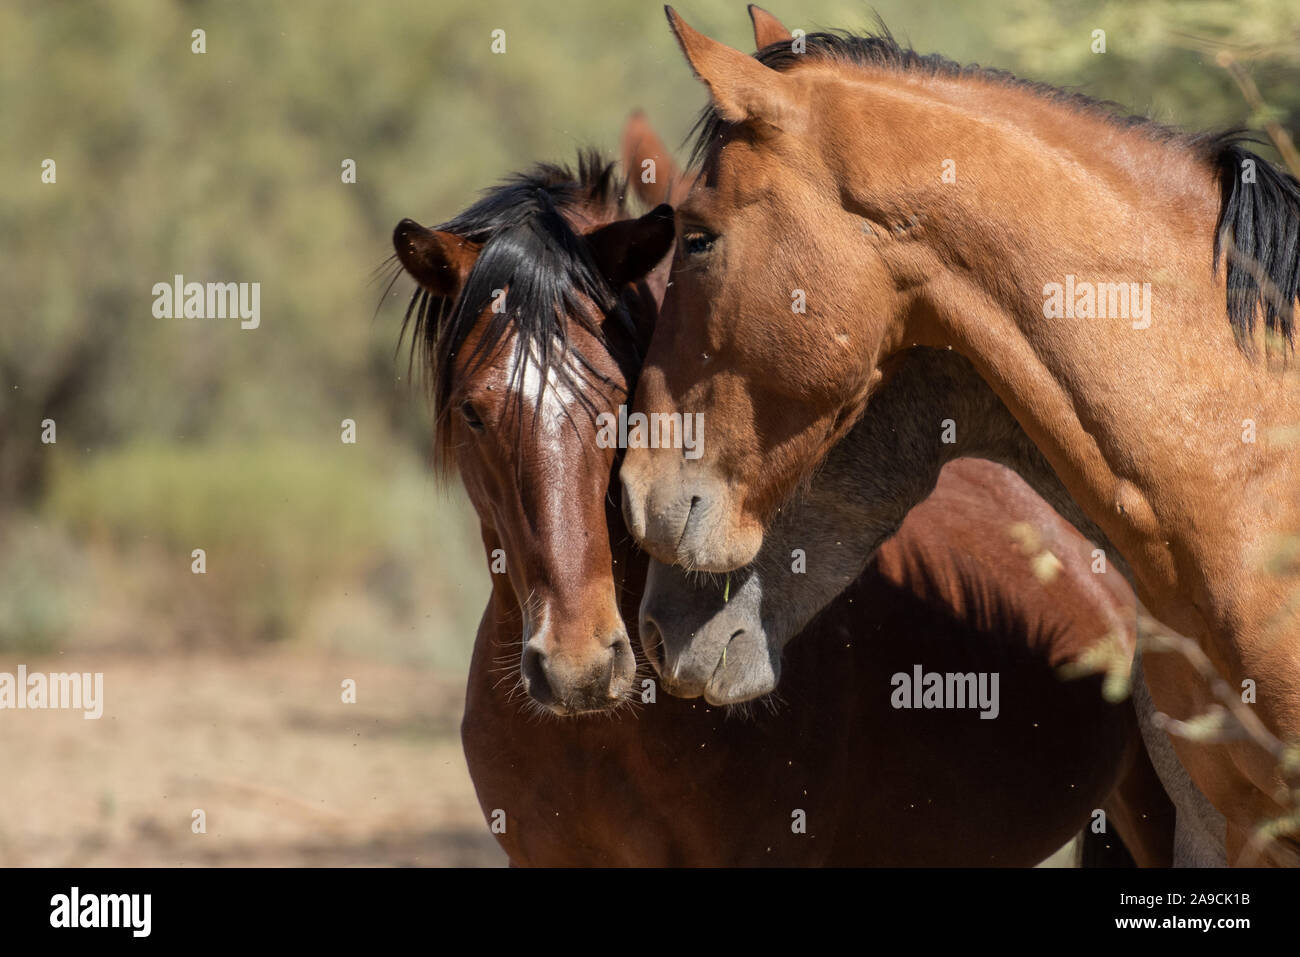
point(286, 773)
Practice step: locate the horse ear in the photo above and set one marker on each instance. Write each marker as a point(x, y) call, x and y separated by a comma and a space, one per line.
point(641, 143)
point(436, 260)
point(767, 28)
point(627, 250)
point(741, 87)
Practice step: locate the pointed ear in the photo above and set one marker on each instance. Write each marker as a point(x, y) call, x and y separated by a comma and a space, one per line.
point(438, 261)
point(627, 250)
point(641, 143)
point(767, 28)
point(741, 87)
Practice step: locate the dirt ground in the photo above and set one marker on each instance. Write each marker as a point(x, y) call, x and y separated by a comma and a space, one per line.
point(285, 772)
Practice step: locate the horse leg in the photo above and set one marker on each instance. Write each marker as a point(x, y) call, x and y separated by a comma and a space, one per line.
point(1144, 817)
point(1200, 831)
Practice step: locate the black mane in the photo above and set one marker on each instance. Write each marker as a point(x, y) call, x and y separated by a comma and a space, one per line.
point(1258, 232)
point(1258, 236)
point(529, 249)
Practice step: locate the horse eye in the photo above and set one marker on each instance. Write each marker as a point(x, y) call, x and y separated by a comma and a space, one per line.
point(698, 242)
point(471, 416)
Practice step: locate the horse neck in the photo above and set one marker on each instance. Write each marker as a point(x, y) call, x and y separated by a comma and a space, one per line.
point(1054, 195)
point(1048, 192)
point(1049, 187)
point(890, 461)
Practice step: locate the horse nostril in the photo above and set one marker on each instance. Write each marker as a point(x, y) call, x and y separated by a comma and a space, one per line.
point(652, 644)
point(533, 667)
point(622, 661)
point(722, 663)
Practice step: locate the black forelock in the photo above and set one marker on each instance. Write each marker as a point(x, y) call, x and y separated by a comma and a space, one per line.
point(529, 250)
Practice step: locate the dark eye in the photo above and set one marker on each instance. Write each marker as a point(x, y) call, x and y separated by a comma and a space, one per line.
point(697, 242)
point(471, 416)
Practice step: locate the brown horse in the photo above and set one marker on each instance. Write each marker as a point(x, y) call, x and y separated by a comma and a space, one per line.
point(860, 199)
point(835, 775)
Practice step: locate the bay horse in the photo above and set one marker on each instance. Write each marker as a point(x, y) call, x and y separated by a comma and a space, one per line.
point(860, 199)
point(725, 640)
point(530, 315)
